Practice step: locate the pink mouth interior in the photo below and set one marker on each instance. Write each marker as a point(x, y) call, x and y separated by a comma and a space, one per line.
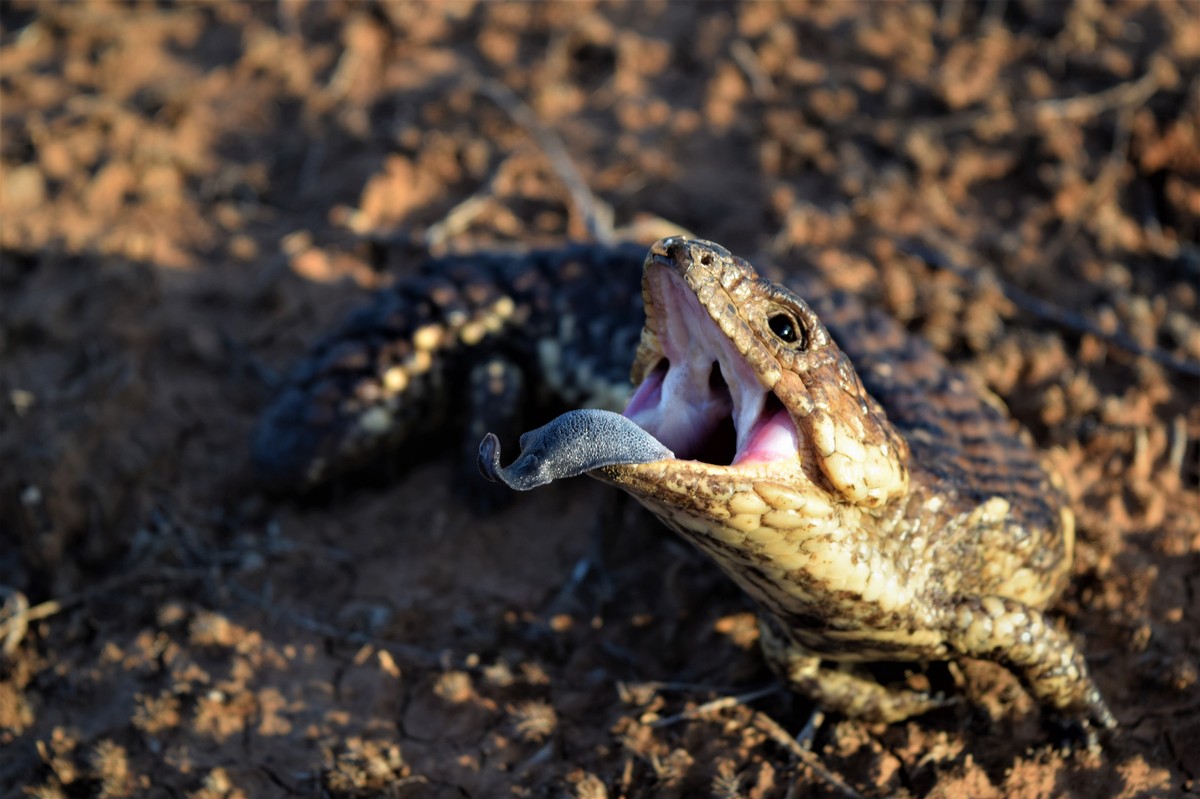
point(703, 401)
point(772, 438)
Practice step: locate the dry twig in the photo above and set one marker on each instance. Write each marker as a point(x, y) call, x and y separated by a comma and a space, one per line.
point(1050, 312)
point(597, 216)
point(771, 728)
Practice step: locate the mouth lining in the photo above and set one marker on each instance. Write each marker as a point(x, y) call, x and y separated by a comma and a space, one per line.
point(702, 400)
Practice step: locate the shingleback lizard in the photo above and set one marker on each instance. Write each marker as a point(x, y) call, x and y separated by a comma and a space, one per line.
point(874, 503)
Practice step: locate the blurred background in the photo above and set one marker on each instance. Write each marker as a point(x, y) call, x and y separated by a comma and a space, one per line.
point(189, 192)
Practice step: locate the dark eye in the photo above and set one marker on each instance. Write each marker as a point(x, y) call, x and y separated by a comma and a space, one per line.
point(786, 328)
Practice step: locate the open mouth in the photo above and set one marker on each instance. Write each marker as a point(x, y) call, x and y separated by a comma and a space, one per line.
point(705, 395)
point(718, 397)
point(702, 400)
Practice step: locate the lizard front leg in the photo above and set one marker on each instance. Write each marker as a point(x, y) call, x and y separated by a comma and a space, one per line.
point(1022, 639)
point(838, 688)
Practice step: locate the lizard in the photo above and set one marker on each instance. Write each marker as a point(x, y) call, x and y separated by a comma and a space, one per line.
point(871, 500)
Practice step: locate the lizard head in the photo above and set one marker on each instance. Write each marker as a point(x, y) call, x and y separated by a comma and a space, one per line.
point(740, 379)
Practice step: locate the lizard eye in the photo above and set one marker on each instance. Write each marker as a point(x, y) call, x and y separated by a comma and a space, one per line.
point(787, 329)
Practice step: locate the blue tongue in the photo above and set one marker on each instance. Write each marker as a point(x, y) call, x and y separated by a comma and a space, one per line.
point(574, 443)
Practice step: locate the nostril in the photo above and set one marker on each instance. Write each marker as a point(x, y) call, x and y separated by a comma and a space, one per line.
point(716, 380)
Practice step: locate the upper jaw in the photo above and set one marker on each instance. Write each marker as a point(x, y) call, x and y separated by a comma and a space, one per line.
point(696, 383)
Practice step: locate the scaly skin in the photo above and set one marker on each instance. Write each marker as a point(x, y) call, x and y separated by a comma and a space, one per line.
point(467, 336)
point(909, 523)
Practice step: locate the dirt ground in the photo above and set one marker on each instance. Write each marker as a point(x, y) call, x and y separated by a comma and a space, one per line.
point(190, 192)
